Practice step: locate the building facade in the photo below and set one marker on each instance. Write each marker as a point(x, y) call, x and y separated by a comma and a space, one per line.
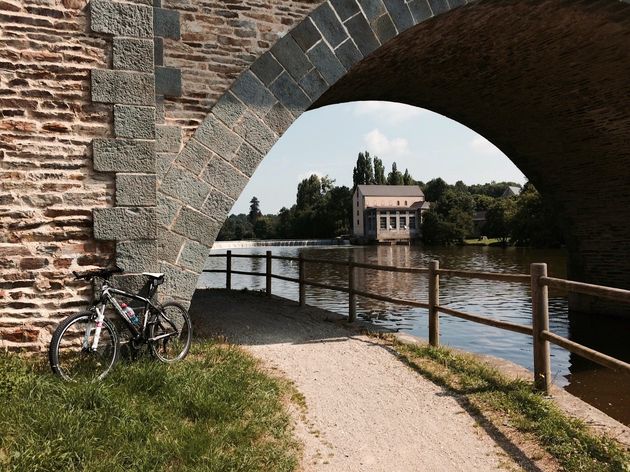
point(387, 213)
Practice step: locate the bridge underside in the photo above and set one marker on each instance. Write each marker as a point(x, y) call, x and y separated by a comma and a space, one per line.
point(547, 82)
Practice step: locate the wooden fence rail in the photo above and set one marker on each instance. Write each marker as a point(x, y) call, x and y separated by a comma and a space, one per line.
point(538, 279)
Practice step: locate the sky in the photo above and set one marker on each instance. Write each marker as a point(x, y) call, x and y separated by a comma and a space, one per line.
point(327, 141)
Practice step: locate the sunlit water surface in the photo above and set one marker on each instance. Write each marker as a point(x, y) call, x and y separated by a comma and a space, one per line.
point(606, 390)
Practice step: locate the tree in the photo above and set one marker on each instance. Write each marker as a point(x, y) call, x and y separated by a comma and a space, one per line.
point(254, 211)
point(449, 220)
point(379, 172)
point(535, 223)
point(363, 172)
point(408, 179)
point(482, 202)
point(499, 218)
point(434, 189)
point(394, 177)
point(309, 192)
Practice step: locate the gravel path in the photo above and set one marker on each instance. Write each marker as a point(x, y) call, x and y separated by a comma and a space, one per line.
point(366, 410)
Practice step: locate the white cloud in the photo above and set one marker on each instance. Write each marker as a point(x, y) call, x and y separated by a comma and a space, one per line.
point(481, 145)
point(379, 144)
point(389, 112)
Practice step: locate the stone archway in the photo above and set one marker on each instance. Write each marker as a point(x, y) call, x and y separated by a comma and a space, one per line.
point(546, 81)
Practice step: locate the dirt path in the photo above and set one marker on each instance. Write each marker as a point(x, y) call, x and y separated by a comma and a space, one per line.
point(367, 411)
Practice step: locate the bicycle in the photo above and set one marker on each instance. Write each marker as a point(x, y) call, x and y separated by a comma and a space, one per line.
point(86, 346)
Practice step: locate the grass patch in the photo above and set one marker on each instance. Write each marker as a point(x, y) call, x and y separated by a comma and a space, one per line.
point(482, 242)
point(216, 411)
point(485, 390)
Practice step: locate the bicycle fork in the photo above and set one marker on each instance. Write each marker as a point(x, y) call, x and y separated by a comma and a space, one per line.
point(100, 316)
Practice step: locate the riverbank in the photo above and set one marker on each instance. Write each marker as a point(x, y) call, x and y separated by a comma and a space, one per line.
point(365, 409)
point(218, 245)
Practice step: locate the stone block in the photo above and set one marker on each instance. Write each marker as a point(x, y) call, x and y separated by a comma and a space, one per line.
point(169, 245)
point(348, 54)
point(326, 63)
point(136, 190)
point(291, 56)
point(168, 138)
point(345, 8)
point(168, 81)
point(256, 132)
point(253, 93)
point(160, 113)
point(121, 19)
point(372, 8)
point(329, 25)
point(225, 178)
point(196, 226)
point(123, 87)
point(137, 256)
point(313, 84)
point(290, 95)
point(400, 14)
point(279, 119)
point(163, 162)
point(111, 224)
point(158, 52)
point(438, 6)
point(184, 186)
point(229, 109)
point(384, 28)
point(362, 34)
point(420, 10)
point(193, 256)
point(179, 282)
point(166, 23)
point(217, 205)
point(134, 283)
point(306, 35)
point(194, 156)
point(217, 137)
point(133, 54)
point(167, 209)
point(134, 122)
point(267, 68)
point(121, 155)
point(247, 159)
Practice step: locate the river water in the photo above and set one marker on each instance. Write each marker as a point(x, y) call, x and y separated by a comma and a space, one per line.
point(599, 386)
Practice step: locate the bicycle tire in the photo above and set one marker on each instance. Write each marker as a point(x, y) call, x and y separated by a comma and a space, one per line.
point(74, 364)
point(172, 348)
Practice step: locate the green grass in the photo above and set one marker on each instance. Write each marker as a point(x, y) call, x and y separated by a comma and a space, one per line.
point(215, 411)
point(482, 242)
point(485, 390)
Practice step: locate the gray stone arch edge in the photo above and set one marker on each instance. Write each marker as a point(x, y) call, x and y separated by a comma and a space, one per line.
point(198, 186)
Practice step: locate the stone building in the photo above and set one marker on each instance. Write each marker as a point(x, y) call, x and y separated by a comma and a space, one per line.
point(388, 213)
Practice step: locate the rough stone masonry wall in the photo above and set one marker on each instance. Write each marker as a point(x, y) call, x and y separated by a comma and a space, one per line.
point(48, 187)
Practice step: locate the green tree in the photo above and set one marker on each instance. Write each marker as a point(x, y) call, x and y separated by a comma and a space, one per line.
point(407, 178)
point(309, 192)
point(254, 211)
point(379, 172)
point(434, 189)
point(263, 228)
point(483, 202)
point(449, 220)
point(536, 222)
point(394, 177)
point(499, 218)
point(363, 172)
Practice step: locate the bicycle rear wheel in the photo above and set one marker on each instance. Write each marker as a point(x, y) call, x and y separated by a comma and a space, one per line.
point(171, 333)
point(71, 352)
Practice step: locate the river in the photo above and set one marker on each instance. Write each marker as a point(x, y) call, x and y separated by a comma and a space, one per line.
point(608, 391)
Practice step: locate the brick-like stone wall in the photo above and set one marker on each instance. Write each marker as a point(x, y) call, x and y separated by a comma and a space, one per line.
point(48, 187)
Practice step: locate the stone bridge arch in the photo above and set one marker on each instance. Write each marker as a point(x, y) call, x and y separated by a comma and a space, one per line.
point(544, 80)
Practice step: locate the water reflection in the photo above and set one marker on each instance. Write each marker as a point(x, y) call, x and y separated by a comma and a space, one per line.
point(506, 301)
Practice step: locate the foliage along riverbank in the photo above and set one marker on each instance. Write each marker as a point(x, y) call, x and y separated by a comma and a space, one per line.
point(217, 410)
point(499, 210)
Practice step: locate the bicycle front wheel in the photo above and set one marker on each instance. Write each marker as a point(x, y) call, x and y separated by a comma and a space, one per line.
point(170, 333)
point(72, 354)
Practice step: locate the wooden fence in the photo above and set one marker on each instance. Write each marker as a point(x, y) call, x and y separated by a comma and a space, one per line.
point(538, 279)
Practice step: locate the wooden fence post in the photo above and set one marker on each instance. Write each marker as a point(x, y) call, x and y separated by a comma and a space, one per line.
point(302, 296)
point(352, 298)
point(540, 323)
point(228, 270)
point(268, 274)
point(434, 303)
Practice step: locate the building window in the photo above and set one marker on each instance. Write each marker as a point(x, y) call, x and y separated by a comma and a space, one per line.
point(357, 212)
point(383, 222)
point(398, 203)
point(412, 222)
point(392, 222)
point(358, 223)
point(403, 222)
point(405, 202)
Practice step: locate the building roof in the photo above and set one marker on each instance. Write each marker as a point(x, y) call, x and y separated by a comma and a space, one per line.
point(512, 191)
point(392, 208)
point(422, 205)
point(391, 190)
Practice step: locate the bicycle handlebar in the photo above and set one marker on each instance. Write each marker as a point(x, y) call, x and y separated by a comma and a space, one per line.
point(102, 273)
